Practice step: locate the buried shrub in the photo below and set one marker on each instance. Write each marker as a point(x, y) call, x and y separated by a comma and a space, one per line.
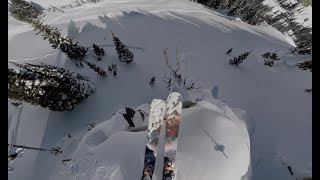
point(238, 60)
point(269, 58)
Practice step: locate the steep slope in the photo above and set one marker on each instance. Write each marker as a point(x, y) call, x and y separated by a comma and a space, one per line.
point(213, 143)
point(273, 97)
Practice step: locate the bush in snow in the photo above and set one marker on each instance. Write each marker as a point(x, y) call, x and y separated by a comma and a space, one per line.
point(305, 65)
point(175, 79)
point(48, 86)
point(308, 90)
point(238, 60)
point(269, 58)
point(152, 81)
point(124, 54)
point(229, 51)
point(113, 68)
point(268, 62)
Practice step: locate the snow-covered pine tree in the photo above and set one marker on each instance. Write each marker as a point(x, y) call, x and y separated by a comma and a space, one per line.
point(229, 51)
point(152, 81)
point(57, 40)
point(48, 86)
point(23, 10)
point(305, 65)
point(124, 54)
point(97, 69)
point(98, 50)
point(270, 58)
point(238, 60)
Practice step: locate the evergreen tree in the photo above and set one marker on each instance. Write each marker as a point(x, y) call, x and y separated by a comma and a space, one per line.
point(48, 86)
point(229, 51)
point(152, 81)
point(55, 38)
point(305, 65)
point(97, 50)
point(97, 69)
point(238, 60)
point(124, 54)
point(23, 10)
point(269, 58)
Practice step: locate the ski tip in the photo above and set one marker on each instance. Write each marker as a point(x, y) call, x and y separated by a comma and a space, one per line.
point(157, 101)
point(174, 96)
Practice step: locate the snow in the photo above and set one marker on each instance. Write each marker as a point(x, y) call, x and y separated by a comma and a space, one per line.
point(124, 151)
point(275, 104)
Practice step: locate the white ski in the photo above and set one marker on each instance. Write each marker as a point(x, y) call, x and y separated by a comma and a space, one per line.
point(157, 112)
point(172, 120)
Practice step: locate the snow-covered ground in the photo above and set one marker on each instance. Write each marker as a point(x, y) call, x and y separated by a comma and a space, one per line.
point(278, 111)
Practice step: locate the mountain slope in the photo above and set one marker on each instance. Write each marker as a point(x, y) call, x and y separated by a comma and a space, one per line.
point(273, 97)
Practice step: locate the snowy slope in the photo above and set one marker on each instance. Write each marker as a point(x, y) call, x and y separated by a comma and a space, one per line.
point(273, 97)
point(119, 154)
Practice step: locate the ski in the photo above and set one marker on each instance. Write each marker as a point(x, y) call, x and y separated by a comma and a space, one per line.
point(172, 120)
point(157, 112)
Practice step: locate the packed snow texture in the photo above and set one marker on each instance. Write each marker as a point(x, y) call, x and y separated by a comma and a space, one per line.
point(273, 97)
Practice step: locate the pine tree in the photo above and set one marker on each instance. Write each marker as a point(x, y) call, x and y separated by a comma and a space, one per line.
point(124, 54)
point(97, 50)
point(229, 51)
point(305, 65)
point(97, 69)
point(55, 38)
point(270, 58)
point(238, 60)
point(152, 81)
point(23, 10)
point(48, 86)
